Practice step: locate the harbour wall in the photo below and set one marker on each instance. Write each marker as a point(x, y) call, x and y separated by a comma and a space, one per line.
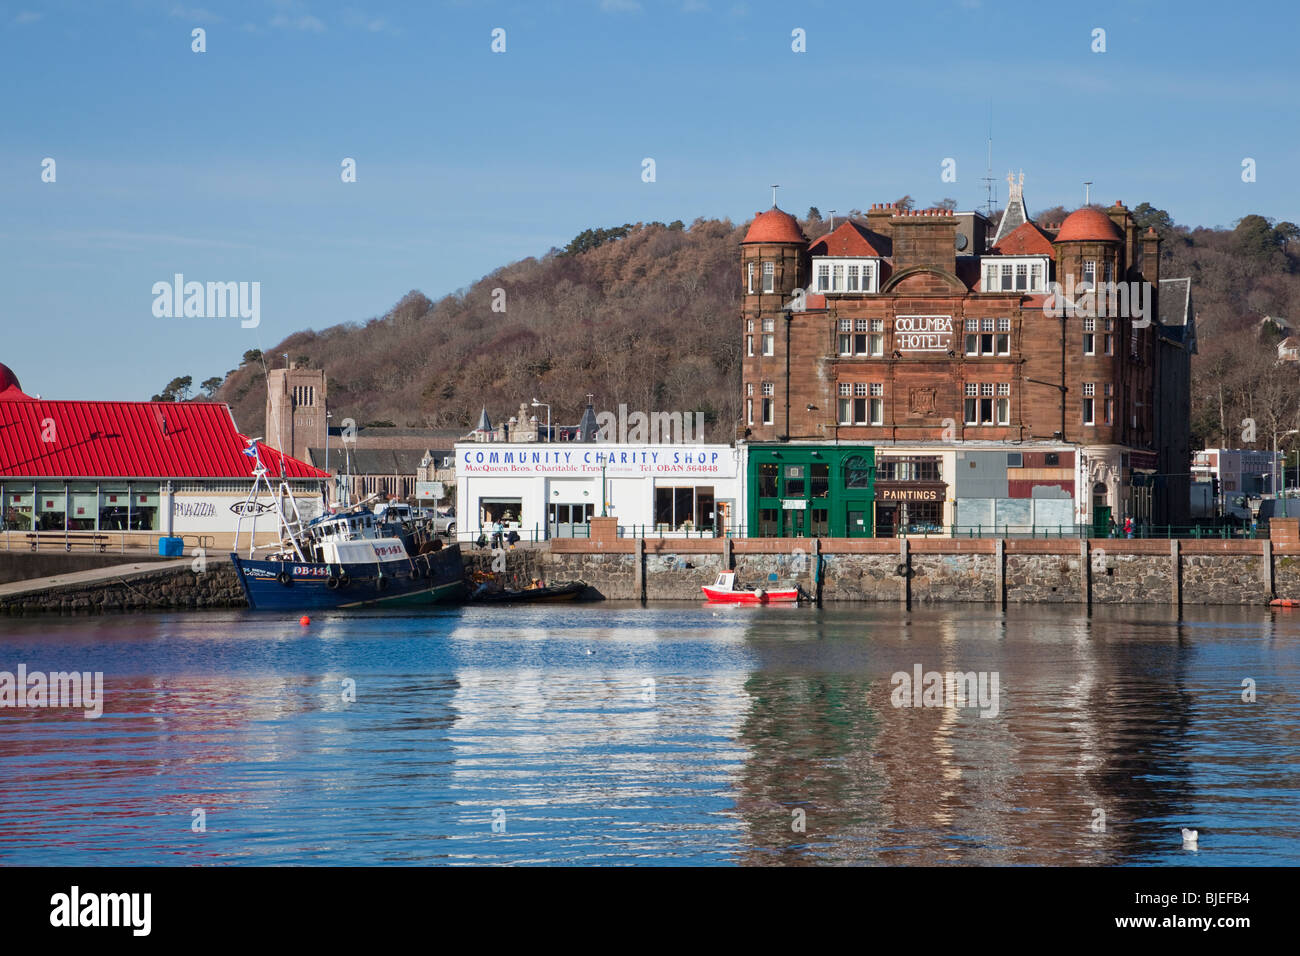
point(939, 570)
point(136, 587)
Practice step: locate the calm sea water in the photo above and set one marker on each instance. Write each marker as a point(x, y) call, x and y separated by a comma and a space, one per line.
point(616, 734)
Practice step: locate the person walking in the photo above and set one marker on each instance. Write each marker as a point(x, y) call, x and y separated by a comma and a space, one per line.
point(1128, 527)
point(496, 533)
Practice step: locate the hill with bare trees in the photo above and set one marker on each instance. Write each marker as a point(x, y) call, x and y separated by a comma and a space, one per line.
point(646, 314)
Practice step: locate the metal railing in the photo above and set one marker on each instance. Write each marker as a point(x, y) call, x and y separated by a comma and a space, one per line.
point(538, 534)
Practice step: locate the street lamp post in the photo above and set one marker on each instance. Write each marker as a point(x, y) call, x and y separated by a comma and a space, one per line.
point(1273, 468)
point(537, 404)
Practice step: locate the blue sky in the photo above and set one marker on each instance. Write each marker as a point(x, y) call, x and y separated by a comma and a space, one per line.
point(225, 165)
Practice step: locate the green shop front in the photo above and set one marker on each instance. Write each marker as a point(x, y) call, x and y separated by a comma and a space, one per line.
point(810, 491)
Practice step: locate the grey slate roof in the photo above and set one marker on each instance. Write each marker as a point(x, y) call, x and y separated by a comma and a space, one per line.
point(378, 461)
point(1176, 313)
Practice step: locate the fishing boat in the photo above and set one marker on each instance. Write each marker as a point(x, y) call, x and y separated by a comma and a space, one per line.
point(355, 556)
point(725, 591)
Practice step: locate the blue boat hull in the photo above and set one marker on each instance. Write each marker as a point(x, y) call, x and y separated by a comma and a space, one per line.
point(303, 586)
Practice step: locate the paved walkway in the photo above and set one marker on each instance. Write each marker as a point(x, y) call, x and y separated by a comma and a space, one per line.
point(113, 573)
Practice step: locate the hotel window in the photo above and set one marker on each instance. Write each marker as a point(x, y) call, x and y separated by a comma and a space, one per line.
point(846, 336)
point(1036, 277)
point(823, 277)
point(1108, 339)
point(853, 279)
point(769, 403)
point(1004, 337)
point(749, 411)
point(1089, 274)
point(769, 276)
point(876, 409)
point(1006, 277)
point(867, 270)
point(860, 327)
point(846, 404)
point(981, 407)
point(1089, 339)
point(1088, 402)
point(981, 338)
point(1004, 403)
point(990, 277)
point(749, 277)
point(972, 340)
point(769, 339)
point(749, 345)
point(1108, 404)
point(1108, 271)
point(749, 326)
point(1022, 276)
point(876, 339)
point(837, 278)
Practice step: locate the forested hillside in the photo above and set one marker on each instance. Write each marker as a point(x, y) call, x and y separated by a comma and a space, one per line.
point(647, 315)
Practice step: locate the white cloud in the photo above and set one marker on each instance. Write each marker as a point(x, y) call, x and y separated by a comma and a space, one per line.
point(306, 23)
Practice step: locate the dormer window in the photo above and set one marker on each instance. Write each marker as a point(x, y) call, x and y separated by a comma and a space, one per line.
point(1025, 274)
point(844, 275)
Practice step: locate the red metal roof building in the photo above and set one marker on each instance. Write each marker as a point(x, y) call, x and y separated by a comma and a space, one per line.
point(115, 465)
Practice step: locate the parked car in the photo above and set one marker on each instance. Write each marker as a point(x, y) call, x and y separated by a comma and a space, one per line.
point(445, 522)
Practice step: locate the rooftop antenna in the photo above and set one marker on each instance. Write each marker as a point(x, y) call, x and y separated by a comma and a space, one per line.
point(1087, 192)
point(989, 182)
point(775, 187)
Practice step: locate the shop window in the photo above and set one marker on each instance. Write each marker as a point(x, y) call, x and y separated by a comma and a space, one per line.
point(794, 481)
point(819, 525)
point(767, 475)
point(769, 523)
point(819, 480)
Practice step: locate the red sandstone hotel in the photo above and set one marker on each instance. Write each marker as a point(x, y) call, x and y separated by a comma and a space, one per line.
point(926, 338)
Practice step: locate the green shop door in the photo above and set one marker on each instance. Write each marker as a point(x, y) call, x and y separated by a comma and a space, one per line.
point(856, 523)
point(1100, 521)
point(792, 524)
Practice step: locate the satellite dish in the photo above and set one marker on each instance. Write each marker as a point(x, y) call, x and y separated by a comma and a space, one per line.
point(962, 241)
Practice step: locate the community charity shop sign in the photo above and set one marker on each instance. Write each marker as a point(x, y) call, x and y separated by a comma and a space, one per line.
point(564, 458)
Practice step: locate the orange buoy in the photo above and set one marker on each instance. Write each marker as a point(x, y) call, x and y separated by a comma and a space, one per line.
point(304, 620)
point(1284, 602)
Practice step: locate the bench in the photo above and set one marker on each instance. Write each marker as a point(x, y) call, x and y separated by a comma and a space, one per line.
point(68, 539)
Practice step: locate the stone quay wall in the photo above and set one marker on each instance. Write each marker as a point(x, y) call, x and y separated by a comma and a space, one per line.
point(941, 570)
point(170, 588)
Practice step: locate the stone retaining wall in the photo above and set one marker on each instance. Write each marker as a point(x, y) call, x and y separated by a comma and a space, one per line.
point(174, 588)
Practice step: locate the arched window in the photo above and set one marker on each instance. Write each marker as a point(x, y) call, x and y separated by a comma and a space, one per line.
point(857, 473)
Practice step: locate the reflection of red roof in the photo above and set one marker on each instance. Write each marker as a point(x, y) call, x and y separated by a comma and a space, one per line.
point(1089, 224)
point(130, 440)
point(850, 239)
point(1024, 240)
point(774, 226)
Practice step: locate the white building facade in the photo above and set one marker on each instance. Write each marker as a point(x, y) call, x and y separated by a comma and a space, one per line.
point(546, 490)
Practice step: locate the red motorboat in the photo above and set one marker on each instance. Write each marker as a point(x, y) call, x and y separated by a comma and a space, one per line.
point(724, 591)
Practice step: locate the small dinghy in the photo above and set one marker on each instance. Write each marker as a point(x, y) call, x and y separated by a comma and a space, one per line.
point(725, 591)
point(536, 591)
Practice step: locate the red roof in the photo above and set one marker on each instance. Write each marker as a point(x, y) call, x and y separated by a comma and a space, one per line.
point(130, 440)
point(850, 239)
point(1089, 224)
point(1024, 240)
point(774, 226)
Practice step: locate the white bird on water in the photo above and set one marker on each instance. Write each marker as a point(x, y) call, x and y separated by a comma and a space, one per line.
point(1189, 839)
